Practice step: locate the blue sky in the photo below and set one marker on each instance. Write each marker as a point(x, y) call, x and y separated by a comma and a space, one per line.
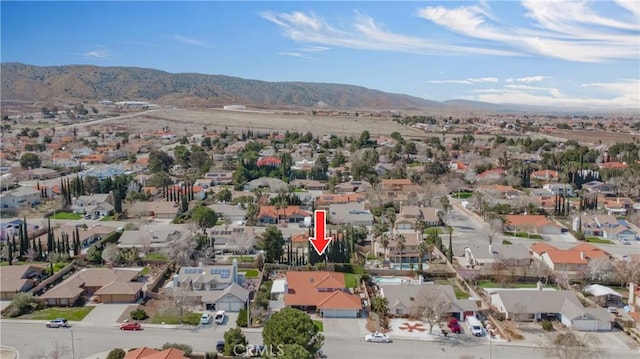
point(557, 54)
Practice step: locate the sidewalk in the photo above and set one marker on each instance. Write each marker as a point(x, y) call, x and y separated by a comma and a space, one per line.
point(8, 353)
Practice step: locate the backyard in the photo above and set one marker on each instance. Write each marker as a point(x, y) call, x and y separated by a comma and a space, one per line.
point(251, 273)
point(351, 280)
point(490, 284)
point(71, 313)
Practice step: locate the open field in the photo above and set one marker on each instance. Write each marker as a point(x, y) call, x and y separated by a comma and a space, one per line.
point(181, 121)
point(607, 138)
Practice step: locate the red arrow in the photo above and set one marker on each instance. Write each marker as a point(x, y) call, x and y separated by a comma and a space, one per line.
point(320, 242)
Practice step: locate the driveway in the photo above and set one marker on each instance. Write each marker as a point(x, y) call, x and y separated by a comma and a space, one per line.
point(345, 328)
point(105, 314)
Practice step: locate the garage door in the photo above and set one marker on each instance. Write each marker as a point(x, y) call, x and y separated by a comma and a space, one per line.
point(229, 307)
point(584, 325)
point(339, 313)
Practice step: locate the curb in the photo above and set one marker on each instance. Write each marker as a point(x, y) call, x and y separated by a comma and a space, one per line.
point(16, 352)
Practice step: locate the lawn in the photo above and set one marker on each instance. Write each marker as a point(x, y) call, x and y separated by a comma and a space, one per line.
point(106, 218)
point(156, 257)
point(145, 271)
point(460, 294)
point(67, 215)
point(462, 195)
point(524, 235)
point(244, 259)
point(319, 325)
point(169, 317)
point(431, 230)
point(597, 240)
point(251, 273)
point(71, 313)
point(351, 280)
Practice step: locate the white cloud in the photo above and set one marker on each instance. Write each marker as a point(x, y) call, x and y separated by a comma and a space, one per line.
point(631, 5)
point(622, 95)
point(315, 49)
point(528, 79)
point(292, 54)
point(568, 30)
point(189, 41)
point(468, 81)
point(363, 34)
point(98, 54)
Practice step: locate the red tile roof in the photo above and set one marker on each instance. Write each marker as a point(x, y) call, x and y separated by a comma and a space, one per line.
point(316, 288)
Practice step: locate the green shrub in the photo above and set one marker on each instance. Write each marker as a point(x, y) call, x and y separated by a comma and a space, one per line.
point(242, 318)
point(116, 353)
point(506, 242)
point(547, 325)
point(22, 303)
point(187, 349)
point(139, 314)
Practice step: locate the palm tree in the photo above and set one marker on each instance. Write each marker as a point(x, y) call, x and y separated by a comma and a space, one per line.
point(391, 217)
point(444, 201)
point(385, 244)
point(380, 305)
point(400, 241)
point(423, 248)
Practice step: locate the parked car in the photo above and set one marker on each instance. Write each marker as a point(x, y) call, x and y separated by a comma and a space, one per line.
point(205, 318)
point(454, 326)
point(377, 338)
point(219, 318)
point(321, 355)
point(220, 346)
point(613, 310)
point(57, 323)
point(131, 326)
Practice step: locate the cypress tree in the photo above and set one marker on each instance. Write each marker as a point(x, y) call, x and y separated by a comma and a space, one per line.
point(40, 254)
point(10, 254)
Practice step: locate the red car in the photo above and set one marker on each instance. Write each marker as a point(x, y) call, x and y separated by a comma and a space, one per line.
point(130, 326)
point(454, 326)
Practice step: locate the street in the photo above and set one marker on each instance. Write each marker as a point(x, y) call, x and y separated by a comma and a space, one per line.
point(33, 340)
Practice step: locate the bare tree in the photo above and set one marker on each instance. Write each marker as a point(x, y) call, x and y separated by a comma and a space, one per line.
point(494, 228)
point(571, 345)
point(182, 249)
point(31, 255)
point(601, 270)
point(431, 305)
point(111, 253)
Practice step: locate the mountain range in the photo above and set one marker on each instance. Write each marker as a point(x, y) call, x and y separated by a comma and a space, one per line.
point(29, 83)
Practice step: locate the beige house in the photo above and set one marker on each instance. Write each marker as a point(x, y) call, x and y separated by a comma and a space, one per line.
point(16, 279)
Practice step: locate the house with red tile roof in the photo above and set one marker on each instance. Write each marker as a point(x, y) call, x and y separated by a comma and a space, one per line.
point(150, 353)
point(327, 199)
point(531, 223)
point(272, 215)
point(268, 162)
point(613, 165)
point(492, 174)
point(574, 259)
point(321, 292)
point(545, 175)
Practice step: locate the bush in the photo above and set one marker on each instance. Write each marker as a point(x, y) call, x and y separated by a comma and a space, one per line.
point(22, 303)
point(139, 314)
point(187, 349)
point(242, 318)
point(547, 325)
point(506, 242)
point(116, 353)
point(211, 355)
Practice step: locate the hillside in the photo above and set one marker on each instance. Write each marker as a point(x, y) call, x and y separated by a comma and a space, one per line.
point(22, 82)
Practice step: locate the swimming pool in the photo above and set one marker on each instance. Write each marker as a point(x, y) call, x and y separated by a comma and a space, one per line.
point(408, 266)
point(391, 280)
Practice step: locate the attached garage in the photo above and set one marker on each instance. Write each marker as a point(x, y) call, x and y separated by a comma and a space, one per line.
point(340, 304)
point(591, 320)
point(340, 313)
point(229, 303)
point(231, 299)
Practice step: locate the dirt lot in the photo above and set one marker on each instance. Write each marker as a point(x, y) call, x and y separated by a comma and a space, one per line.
point(182, 121)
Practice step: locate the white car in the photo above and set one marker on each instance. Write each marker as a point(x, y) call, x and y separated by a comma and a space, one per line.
point(219, 318)
point(205, 318)
point(377, 338)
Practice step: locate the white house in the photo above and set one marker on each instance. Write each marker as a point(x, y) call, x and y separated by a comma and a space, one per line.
point(19, 197)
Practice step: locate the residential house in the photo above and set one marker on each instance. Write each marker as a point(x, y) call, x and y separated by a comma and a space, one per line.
point(20, 197)
point(159, 209)
point(599, 187)
point(328, 199)
point(17, 279)
point(563, 305)
point(574, 259)
point(98, 205)
point(531, 223)
point(352, 186)
point(150, 353)
point(229, 212)
point(321, 292)
point(10, 228)
point(153, 236)
point(109, 285)
point(272, 215)
point(613, 165)
point(218, 287)
point(545, 175)
point(409, 252)
point(561, 189)
point(616, 206)
point(273, 185)
point(309, 185)
point(409, 215)
point(500, 190)
point(480, 254)
point(407, 299)
point(353, 214)
point(492, 175)
point(235, 238)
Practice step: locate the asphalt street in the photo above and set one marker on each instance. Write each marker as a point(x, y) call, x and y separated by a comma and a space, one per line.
point(33, 341)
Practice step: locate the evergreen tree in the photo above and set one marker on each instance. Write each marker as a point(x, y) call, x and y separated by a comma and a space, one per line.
point(10, 254)
point(117, 202)
point(40, 253)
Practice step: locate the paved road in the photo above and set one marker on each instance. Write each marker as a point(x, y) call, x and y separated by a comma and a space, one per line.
point(35, 341)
